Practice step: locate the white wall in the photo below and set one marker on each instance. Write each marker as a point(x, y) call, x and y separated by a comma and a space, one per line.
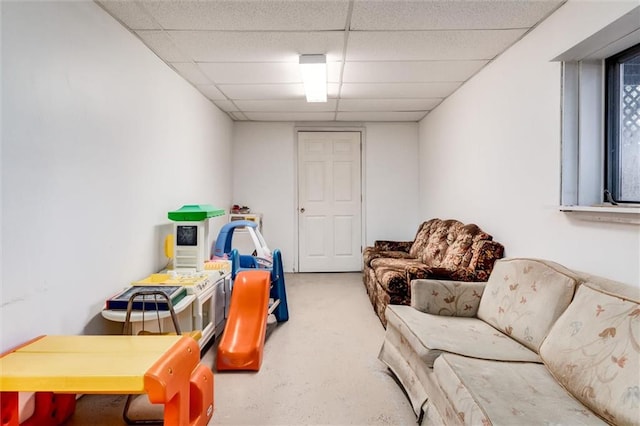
point(263, 168)
point(490, 154)
point(100, 140)
point(264, 178)
point(391, 171)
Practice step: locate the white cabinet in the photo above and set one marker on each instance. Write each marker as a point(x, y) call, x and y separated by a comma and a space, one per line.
point(204, 309)
point(153, 321)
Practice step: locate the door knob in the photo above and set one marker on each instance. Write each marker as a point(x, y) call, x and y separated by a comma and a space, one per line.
point(302, 210)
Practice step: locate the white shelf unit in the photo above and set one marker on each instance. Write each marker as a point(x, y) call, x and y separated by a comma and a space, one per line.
point(241, 239)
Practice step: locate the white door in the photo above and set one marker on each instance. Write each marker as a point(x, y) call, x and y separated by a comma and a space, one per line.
point(329, 202)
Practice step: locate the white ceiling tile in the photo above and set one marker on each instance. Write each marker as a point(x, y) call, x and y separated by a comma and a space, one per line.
point(229, 46)
point(250, 15)
point(211, 92)
point(270, 91)
point(402, 56)
point(387, 104)
point(290, 116)
point(263, 91)
point(410, 71)
point(162, 45)
point(397, 90)
point(130, 13)
point(447, 14)
point(191, 72)
point(381, 116)
point(286, 105)
point(251, 72)
point(261, 72)
point(227, 106)
point(429, 45)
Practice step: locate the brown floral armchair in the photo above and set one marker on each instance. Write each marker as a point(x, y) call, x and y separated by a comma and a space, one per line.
point(442, 249)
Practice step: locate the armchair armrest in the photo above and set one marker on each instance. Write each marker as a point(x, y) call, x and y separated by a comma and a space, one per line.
point(385, 245)
point(447, 298)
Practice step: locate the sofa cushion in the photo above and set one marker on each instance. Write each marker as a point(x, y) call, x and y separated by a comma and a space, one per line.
point(449, 298)
point(524, 297)
point(431, 335)
point(459, 252)
point(369, 254)
point(443, 235)
point(393, 274)
point(483, 392)
point(422, 237)
point(594, 351)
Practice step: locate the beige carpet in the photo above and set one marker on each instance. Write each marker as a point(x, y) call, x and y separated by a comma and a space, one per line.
point(320, 367)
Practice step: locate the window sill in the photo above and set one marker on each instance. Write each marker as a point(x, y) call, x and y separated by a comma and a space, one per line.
point(605, 213)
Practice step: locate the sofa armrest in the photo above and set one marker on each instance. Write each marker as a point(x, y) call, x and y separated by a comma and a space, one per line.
point(484, 257)
point(385, 245)
point(447, 298)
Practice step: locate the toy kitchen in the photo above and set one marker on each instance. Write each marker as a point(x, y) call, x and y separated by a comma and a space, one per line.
point(199, 289)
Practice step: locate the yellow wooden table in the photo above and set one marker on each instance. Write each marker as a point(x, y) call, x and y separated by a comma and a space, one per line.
point(166, 368)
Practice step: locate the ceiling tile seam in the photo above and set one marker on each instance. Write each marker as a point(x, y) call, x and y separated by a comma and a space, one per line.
point(404, 83)
point(417, 61)
point(299, 83)
point(237, 115)
point(345, 46)
point(236, 62)
point(414, 60)
point(490, 61)
point(303, 112)
point(121, 22)
point(230, 100)
point(394, 99)
point(175, 45)
point(529, 29)
point(211, 83)
point(171, 67)
point(135, 33)
point(439, 30)
point(191, 61)
point(150, 15)
point(301, 99)
point(208, 80)
point(286, 111)
point(332, 113)
point(181, 30)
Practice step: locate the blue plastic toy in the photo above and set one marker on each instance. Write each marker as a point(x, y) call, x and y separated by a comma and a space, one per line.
point(262, 258)
point(222, 247)
point(277, 292)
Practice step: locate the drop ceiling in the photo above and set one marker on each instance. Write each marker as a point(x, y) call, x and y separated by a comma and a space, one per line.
point(388, 60)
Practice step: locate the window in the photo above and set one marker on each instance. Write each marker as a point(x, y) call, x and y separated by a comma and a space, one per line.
point(600, 149)
point(623, 127)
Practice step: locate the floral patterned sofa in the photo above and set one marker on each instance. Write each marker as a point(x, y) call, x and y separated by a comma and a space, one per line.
point(446, 249)
point(535, 344)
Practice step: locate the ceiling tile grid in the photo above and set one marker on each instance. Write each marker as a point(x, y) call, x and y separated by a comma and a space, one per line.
point(387, 60)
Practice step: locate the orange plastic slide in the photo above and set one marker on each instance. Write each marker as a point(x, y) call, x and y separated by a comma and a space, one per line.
point(242, 343)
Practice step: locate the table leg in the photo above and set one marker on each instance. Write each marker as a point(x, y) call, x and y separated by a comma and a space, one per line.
point(49, 410)
point(9, 415)
point(201, 396)
point(168, 381)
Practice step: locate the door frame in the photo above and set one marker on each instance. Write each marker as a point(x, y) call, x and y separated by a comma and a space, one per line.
point(363, 214)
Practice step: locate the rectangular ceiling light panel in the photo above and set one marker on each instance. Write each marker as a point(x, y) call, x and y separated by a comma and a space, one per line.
point(314, 76)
